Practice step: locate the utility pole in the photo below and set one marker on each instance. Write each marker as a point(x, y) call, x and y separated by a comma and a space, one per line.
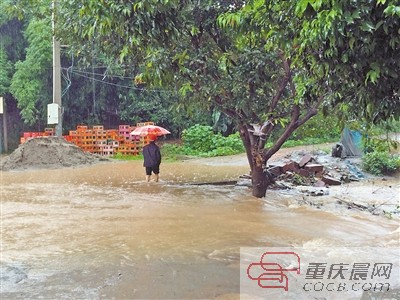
point(3, 110)
point(56, 107)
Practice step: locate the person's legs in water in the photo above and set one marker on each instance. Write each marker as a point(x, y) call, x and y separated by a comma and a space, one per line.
point(156, 171)
point(148, 174)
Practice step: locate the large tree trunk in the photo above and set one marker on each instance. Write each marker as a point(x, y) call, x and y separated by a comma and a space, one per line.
point(260, 181)
point(260, 178)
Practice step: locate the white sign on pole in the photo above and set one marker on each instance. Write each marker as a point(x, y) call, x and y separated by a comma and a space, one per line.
point(53, 112)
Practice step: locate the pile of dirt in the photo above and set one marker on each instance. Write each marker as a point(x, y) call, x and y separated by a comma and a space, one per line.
point(47, 153)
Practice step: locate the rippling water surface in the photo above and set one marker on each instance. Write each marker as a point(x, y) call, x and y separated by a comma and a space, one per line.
point(102, 232)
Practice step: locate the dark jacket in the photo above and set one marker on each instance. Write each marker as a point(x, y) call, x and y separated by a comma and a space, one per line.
point(151, 155)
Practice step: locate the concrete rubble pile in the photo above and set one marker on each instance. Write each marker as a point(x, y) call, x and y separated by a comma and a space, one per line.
point(313, 173)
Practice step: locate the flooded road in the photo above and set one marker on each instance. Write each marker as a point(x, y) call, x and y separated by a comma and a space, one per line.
point(101, 232)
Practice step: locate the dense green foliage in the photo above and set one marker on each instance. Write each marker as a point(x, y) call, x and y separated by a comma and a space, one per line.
point(203, 141)
point(5, 71)
point(381, 163)
point(355, 47)
point(32, 76)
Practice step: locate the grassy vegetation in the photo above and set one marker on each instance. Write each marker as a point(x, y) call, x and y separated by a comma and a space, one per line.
point(119, 156)
point(381, 163)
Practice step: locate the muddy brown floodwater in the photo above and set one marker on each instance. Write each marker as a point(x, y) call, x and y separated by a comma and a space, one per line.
point(101, 232)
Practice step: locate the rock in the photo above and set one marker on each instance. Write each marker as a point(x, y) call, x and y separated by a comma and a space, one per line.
point(275, 170)
point(319, 183)
point(290, 166)
point(330, 180)
point(314, 168)
point(305, 160)
point(303, 173)
point(337, 150)
point(313, 191)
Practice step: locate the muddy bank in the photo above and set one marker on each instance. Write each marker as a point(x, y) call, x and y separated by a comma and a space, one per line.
point(47, 153)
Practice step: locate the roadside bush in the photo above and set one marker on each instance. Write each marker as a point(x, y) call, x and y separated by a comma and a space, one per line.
point(380, 163)
point(170, 152)
point(200, 140)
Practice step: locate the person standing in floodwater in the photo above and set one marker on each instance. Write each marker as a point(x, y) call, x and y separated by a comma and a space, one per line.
point(152, 158)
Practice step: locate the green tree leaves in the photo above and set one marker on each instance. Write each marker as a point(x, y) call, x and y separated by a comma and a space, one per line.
point(5, 72)
point(30, 80)
point(359, 42)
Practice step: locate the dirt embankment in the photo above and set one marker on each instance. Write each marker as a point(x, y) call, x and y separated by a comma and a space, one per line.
point(47, 153)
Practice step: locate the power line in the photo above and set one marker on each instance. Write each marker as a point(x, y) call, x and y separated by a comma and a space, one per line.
point(103, 74)
point(116, 84)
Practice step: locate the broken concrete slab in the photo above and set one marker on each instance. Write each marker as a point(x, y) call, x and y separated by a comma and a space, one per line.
point(330, 180)
point(314, 168)
point(290, 166)
point(303, 173)
point(305, 160)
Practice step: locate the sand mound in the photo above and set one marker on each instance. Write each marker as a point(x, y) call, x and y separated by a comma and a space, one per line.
point(47, 153)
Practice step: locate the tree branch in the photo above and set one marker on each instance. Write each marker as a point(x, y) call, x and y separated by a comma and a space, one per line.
point(283, 84)
point(286, 134)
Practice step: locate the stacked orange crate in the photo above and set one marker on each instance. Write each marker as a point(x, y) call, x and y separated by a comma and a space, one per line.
point(99, 146)
point(49, 131)
point(111, 134)
point(37, 134)
point(88, 140)
point(98, 127)
point(73, 136)
point(135, 140)
point(68, 138)
point(108, 150)
point(114, 144)
point(26, 136)
point(133, 148)
point(100, 135)
point(99, 139)
point(81, 128)
point(128, 149)
point(78, 136)
point(124, 131)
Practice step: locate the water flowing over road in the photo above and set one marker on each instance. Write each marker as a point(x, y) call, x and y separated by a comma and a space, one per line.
point(101, 232)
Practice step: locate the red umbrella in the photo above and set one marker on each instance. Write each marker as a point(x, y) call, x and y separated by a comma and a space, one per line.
point(150, 130)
